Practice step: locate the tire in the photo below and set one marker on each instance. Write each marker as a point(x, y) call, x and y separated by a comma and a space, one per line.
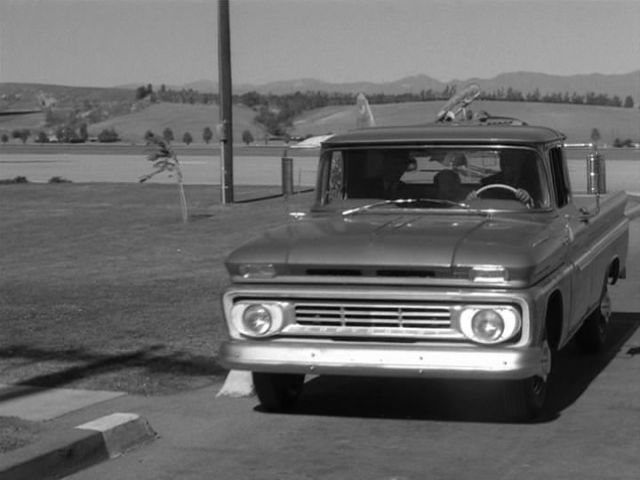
point(278, 392)
point(592, 336)
point(525, 399)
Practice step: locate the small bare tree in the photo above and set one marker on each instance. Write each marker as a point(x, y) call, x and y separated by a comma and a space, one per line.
point(164, 159)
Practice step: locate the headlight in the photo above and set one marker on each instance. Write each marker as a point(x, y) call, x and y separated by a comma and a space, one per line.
point(254, 319)
point(489, 325)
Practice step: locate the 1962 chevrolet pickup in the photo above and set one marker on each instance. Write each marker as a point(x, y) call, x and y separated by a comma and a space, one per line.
point(450, 250)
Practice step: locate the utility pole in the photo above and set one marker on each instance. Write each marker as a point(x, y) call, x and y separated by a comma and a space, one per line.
point(225, 130)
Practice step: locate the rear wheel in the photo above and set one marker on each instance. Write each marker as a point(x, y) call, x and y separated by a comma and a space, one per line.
point(278, 391)
point(524, 399)
point(592, 336)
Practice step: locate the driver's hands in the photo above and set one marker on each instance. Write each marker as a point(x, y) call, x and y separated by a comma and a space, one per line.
point(523, 196)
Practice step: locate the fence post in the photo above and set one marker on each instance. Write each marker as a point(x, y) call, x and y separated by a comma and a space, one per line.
point(287, 175)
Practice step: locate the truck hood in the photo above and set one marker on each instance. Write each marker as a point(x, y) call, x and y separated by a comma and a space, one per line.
point(401, 245)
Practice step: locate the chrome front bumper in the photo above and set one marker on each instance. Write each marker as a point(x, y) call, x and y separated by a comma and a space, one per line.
point(383, 360)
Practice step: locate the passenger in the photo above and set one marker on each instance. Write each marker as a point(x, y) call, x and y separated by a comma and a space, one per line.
point(447, 184)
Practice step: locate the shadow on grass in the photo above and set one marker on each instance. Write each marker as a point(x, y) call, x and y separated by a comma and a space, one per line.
point(456, 400)
point(151, 360)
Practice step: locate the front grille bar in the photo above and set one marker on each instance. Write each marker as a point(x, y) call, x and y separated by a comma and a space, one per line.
point(377, 319)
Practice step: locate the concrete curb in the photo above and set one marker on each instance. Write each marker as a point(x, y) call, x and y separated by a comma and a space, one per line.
point(73, 450)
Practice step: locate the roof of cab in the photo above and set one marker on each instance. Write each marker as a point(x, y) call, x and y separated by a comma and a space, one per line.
point(447, 133)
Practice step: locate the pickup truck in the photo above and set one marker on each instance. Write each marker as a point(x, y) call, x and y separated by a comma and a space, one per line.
point(452, 250)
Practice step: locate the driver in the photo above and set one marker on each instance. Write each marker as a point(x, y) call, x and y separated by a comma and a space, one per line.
point(515, 171)
point(395, 166)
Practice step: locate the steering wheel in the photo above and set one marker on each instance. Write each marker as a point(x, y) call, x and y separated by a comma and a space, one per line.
point(514, 191)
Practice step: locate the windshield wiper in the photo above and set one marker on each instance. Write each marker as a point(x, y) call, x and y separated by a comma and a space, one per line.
point(402, 201)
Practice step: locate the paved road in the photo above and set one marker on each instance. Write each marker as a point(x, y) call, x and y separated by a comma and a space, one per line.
point(364, 429)
point(251, 167)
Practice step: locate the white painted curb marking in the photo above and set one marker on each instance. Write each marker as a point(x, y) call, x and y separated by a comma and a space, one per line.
point(121, 431)
point(237, 384)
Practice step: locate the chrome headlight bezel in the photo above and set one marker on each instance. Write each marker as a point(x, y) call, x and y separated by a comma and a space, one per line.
point(505, 320)
point(240, 323)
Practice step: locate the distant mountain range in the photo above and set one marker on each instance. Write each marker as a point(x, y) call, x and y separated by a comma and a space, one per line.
point(620, 85)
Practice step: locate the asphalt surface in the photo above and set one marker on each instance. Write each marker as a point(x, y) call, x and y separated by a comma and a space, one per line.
point(407, 429)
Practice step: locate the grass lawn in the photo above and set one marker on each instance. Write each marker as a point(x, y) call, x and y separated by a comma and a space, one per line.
point(103, 286)
point(16, 433)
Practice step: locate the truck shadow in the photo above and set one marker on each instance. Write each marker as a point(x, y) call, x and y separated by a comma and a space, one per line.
point(455, 400)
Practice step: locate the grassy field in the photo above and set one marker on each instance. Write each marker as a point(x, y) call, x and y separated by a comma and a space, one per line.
point(575, 121)
point(180, 118)
point(103, 287)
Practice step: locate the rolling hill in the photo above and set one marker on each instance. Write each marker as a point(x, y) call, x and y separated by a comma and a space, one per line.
point(118, 109)
point(180, 118)
point(576, 121)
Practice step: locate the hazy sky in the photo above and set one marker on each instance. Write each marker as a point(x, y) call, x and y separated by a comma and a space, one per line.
point(114, 42)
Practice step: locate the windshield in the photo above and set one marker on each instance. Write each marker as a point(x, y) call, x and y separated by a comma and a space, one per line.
point(362, 179)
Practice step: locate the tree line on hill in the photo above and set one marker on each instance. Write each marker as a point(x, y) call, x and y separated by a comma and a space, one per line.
point(168, 136)
point(275, 113)
point(62, 134)
point(169, 95)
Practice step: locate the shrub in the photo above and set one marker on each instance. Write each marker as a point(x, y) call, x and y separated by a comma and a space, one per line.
point(59, 180)
point(108, 135)
point(207, 134)
point(13, 181)
point(247, 137)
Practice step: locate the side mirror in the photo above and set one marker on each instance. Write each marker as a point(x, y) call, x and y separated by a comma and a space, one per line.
point(596, 173)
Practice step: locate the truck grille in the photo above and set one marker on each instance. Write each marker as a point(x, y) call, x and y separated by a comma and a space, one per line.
point(377, 319)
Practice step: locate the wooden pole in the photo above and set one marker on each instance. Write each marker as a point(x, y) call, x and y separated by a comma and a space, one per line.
point(225, 132)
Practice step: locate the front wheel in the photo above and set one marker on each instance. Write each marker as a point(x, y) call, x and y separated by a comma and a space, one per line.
point(278, 391)
point(524, 399)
